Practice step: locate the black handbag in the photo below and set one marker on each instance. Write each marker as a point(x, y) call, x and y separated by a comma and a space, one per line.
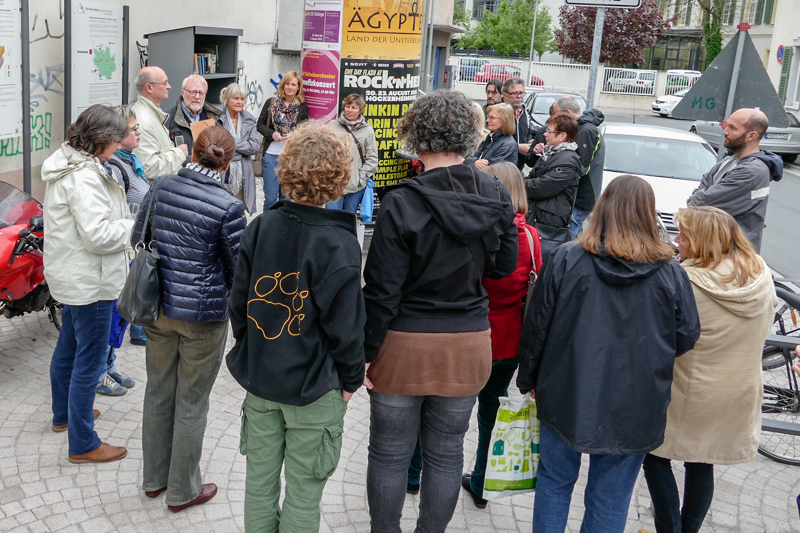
point(140, 300)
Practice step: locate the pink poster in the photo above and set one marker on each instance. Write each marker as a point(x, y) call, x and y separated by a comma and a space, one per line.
point(321, 83)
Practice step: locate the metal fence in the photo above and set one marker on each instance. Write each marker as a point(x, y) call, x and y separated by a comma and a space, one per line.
point(550, 76)
point(678, 82)
point(629, 81)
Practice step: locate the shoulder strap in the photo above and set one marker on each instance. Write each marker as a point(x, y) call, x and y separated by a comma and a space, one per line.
point(125, 179)
point(358, 144)
point(147, 220)
point(533, 276)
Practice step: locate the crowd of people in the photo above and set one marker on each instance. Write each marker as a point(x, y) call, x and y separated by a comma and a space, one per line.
point(610, 345)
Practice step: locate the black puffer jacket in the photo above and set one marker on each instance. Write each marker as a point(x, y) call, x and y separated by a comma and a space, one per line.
point(437, 236)
point(496, 148)
point(198, 225)
point(551, 188)
point(604, 387)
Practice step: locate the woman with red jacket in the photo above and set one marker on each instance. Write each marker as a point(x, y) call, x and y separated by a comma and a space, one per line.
point(506, 299)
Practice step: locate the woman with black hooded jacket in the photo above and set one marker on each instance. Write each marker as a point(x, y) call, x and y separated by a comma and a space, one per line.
point(552, 185)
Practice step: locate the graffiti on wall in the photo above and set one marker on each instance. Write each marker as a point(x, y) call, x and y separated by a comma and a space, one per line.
point(48, 80)
point(142, 48)
point(44, 27)
point(41, 135)
point(255, 94)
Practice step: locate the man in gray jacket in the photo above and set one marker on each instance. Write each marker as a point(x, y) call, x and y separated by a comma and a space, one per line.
point(739, 184)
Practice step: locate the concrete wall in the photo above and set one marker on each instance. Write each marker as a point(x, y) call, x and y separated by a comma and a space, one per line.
point(256, 17)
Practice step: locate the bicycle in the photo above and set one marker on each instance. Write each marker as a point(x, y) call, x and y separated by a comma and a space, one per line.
point(780, 409)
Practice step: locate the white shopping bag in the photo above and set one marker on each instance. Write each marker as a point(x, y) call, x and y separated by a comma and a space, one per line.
point(513, 450)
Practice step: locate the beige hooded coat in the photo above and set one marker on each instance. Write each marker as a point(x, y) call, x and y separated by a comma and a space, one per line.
point(715, 413)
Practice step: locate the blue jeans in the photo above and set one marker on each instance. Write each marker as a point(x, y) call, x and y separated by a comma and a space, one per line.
point(182, 360)
point(608, 491)
point(576, 222)
point(137, 332)
point(488, 404)
point(395, 421)
point(78, 360)
point(272, 189)
point(347, 202)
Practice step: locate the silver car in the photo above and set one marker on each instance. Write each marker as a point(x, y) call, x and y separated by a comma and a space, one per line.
point(783, 141)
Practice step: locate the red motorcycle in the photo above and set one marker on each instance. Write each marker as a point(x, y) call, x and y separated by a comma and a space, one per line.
point(23, 288)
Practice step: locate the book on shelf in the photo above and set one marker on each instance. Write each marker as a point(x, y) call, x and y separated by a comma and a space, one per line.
point(205, 63)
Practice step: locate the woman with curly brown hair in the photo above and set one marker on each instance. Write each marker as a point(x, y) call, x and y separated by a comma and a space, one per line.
point(297, 315)
point(427, 334)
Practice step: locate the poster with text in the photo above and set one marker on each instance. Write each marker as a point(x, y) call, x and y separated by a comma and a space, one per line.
point(10, 70)
point(389, 88)
point(320, 71)
point(322, 25)
point(385, 29)
point(96, 55)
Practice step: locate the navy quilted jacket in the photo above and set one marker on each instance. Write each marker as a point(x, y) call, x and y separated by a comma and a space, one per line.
point(198, 225)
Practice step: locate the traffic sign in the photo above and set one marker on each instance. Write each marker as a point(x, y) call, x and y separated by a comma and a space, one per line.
point(780, 54)
point(707, 98)
point(627, 4)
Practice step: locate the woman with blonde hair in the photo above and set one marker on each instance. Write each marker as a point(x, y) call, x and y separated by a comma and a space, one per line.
point(279, 116)
point(715, 413)
point(240, 179)
point(506, 299)
point(499, 144)
point(602, 386)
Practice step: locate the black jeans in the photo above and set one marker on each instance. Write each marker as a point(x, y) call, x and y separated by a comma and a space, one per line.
point(698, 491)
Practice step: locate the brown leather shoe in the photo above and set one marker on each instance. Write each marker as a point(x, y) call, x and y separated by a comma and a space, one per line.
point(63, 427)
point(207, 491)
point(104, 454)
point(154, 493)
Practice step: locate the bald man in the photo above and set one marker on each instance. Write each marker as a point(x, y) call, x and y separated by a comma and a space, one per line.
point(156, 152)
point(739, 184)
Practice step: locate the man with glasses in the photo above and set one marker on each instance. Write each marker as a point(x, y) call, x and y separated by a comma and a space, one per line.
point(494, 94)
point(157, 153)
point(191, 107)
point(514, 94)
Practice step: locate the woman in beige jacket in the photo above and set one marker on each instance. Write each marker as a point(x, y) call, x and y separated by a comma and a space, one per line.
point(715, 413)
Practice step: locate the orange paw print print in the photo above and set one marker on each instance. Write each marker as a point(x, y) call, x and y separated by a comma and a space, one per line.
point(278, 306)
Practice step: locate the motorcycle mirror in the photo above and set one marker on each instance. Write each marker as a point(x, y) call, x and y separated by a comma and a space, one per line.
point(37, 224)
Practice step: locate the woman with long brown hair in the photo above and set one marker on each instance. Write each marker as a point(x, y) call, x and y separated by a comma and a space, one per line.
point(609, 315)
point(715, 413)
point(280, 115)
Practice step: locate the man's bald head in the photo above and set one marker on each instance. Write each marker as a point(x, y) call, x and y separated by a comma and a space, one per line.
point(148, 75)
point(753, 120)
point(152, 83)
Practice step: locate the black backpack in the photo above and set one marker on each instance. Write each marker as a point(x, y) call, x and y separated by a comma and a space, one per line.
point(122, 171)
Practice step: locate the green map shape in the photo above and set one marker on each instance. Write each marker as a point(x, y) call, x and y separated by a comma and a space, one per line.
point(104, 62)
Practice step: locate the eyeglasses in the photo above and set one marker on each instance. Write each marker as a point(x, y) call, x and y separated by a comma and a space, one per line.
point(165, 82)
point(135, 128)
point(548, 132)
point(195, 93)
point(516, 94)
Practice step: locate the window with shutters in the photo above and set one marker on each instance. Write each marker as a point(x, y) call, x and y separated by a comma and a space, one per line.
point(729, 14)
point(769, 11)
point(785, 68)
point(687, 13)
point(756, 12)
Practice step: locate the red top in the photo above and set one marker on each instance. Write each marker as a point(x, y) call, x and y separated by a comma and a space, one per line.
point(507, 295)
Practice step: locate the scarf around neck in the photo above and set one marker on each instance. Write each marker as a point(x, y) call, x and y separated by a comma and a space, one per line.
point(234, 175)
point(551, 149)
point(133, 161)
point(284, 116)
point(211, 173)
point(352, 125)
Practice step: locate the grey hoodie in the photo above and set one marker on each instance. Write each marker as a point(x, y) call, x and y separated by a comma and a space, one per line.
point(742, 191)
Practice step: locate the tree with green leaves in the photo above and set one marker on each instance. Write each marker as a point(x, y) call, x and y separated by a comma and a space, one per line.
point(509, 30)
point(461, 18)
point(712, 26)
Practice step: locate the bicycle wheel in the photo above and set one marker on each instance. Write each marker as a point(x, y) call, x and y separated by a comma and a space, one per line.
point(786, 323)
point(781, 403)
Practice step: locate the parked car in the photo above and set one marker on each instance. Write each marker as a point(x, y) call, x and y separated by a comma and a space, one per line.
point(539, 102)
point(665, 104)
point(502, 71)
point(678, 79)
point(671, 161)
point(783, 141)
point(631, 81)
point(468, 66)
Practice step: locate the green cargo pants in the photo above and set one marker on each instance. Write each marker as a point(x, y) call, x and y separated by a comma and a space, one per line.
point(308, 440)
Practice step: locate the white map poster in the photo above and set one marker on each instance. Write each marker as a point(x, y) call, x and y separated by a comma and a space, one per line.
point(96, 55)
point(10, 70)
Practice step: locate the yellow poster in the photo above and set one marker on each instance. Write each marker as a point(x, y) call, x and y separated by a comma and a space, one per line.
point(382, 29)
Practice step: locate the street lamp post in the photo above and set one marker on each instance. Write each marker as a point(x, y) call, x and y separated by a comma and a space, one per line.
point(533, 35)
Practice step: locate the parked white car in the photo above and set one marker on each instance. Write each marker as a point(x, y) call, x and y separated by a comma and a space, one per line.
point(671, 161)
point(631, 81)
point(665, 104)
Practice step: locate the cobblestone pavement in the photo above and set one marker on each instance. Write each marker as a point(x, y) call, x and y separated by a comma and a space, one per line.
point(41, 491)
